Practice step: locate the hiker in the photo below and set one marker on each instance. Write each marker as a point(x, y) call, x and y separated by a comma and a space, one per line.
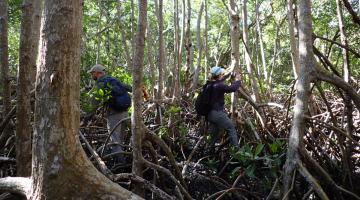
point(114, 111)
point(217, 117)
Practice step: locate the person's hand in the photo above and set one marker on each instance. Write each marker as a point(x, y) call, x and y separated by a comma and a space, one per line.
point(235, 76)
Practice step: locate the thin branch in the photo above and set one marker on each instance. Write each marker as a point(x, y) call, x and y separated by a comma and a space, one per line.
point(157, 191)
point(191, 155)
point(168, 173)
point(100, 163)
point(355, 18)
point(339, 44)
point(315, 184)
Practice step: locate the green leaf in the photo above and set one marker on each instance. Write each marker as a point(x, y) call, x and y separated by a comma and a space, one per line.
point(249, 171)
point(101, 92)
point(258, 149)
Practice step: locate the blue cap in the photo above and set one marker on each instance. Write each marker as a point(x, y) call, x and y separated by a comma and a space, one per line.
point(215, 71)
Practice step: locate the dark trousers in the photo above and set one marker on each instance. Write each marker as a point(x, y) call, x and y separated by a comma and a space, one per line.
point(219, 120)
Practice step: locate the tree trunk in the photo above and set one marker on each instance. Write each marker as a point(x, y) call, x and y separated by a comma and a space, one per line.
point(182, 37)
point(132, 22)
point(189, 47)
point(98, 41)
point(4, 70)
point(150, 56)
point(4, 57)
point(29, 41)
point(293, 41)
point(303, 91)
point(176, 67)
point(262, 50)
point(345, 147)
point(199, 46)
point(137, 74)
point(123, 39)
point(206, 50)
point(161, 59)
point(249, 65)
point(60, 166)
point(234, 38)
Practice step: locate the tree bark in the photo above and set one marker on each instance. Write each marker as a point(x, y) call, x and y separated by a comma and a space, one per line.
point(4, 70)
point(132, 19)
point(60, 166)
point(4, 57)
point(303, 91)
point(161, 50)
point(176, 67)
point(189, 47)
point(199, 46)
point(137, 74)
point(182, 37)
point(206, 50)
point(345, 147)
point(234, 38)
point(29, 41)
point(293, 40)
point(249, 65)
point(262, 50)
point(98, 41)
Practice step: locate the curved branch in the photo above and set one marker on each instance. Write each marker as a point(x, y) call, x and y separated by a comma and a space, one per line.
point(159, 193)
point(151, 136)
point(315, 184)
point(168, 173)
point(339, 44)
point(340, 83)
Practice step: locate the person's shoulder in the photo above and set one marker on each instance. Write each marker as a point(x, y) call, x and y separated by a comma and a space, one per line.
point(219, 82)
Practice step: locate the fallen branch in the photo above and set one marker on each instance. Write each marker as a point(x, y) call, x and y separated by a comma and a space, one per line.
point(158, 192)
point(168, 173)
point(7, 160)
point(151, 136)
point(100, 163)
point(191, 155)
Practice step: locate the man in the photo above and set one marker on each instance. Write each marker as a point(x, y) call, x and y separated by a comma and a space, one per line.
point(112, 115)
point(217, 117)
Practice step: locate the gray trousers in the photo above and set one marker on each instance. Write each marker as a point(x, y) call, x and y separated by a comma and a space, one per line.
point(219, 120)
point(118, 136)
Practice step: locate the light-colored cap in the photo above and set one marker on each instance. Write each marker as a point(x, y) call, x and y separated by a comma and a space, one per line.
point(96, 68)
point(215, 71)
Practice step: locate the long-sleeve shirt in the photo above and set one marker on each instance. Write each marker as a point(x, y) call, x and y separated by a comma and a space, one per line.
point(96, 101)
point(218, 92)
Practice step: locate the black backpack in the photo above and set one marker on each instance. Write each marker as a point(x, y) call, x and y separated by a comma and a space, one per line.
point(203, 101)
point(120, 98)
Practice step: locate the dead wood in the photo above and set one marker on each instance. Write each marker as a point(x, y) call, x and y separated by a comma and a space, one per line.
point(99, 162)
point(158, 192)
